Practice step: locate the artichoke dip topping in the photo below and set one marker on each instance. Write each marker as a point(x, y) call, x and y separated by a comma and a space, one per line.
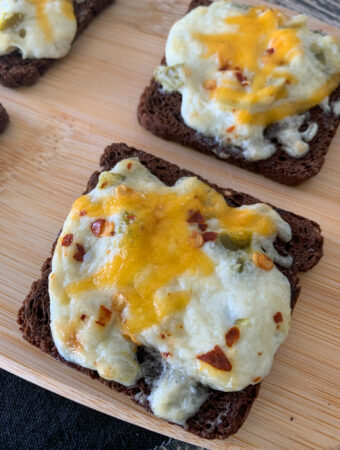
point(37, 28)
point(177, 271)
point(248, 76)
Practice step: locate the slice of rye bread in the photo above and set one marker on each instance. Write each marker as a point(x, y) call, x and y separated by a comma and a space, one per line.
point(16, 71)
point(3, 118)
point(160, 113)
point(224, 412)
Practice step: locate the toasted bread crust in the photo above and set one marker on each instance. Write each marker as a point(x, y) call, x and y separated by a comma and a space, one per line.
point(16, 71)
point(224, 412)
point(4, 119)
point(160, 113)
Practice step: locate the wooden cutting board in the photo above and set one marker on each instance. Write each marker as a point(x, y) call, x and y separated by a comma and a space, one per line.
point(58, 130)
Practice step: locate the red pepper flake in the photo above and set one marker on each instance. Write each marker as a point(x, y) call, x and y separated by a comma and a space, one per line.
point(278, 317)
point(270, 50)
point(166, 354)
point(104, 316)
point(217, 359)
point(209, 236)
point(97, 227)
point(131, 217)
point(83, 317)
point(83, 213)
point(257, 379)
point(129, 165)
point(67, 240)
point(240, 77)
point(232, 336)
point(79, 256)
point(163, 336)
point(195, 217)
point(277, 327)
point(230, 129)
point(224, 66)
point(202, 226)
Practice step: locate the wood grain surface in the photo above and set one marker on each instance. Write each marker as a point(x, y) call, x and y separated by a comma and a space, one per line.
point(58, 130)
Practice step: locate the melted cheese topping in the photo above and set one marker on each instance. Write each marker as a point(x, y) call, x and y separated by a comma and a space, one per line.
point(240, 69)
point(131, 267)
point(37, 28)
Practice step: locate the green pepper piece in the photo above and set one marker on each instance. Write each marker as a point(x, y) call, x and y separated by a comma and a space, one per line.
point(110, 179)
point(9, 20)
point(236, 240)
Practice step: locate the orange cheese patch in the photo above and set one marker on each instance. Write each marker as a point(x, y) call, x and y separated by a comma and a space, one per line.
point(262, 47)
point(42, 17)
point(157, 247)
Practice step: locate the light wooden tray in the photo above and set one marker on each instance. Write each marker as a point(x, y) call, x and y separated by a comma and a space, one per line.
point(58, 130)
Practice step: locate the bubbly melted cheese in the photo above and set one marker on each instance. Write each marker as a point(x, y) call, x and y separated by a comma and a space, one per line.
point(37, 28)
point(173, 269)
point(240, 69)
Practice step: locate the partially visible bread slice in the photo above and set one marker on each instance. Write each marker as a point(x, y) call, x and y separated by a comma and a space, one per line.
point(160, 113)
point(16, 71)
point(223, 413)
point(3, 118)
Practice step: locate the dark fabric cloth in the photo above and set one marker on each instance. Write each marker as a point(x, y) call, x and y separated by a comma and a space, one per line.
point(33, 418)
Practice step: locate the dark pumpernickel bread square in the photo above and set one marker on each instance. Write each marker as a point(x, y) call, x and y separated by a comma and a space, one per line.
point(223, 413)
point(160, 113)
point(3, 118)
point(16, 71)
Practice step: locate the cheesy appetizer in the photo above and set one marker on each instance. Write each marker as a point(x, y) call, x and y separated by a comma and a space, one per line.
point(177, 271)
point(249, 75)
point(37, 28)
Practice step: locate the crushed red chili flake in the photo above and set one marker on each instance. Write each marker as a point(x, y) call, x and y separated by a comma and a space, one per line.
point(131, 217)
point(97, 227)
point(163, 336)
point(209, 236)
point(278, 317)
point(270, 50)
point(257, 379)
point(240, 77)
point(104, 316)
point(67, 240)
point(230, 129)
point(202, 226)
point(83, 212)
point(129, 165)
point(224, 67)
point(232, 336)
point(166, 354)
point(83, 317)
point(217, 359)
point(195, 217)
point(277, 327)
point(79, 255)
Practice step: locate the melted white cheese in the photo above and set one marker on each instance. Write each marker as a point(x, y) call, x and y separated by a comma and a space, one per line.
point(189, 68)
point(247, 297)
point(37, 28)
